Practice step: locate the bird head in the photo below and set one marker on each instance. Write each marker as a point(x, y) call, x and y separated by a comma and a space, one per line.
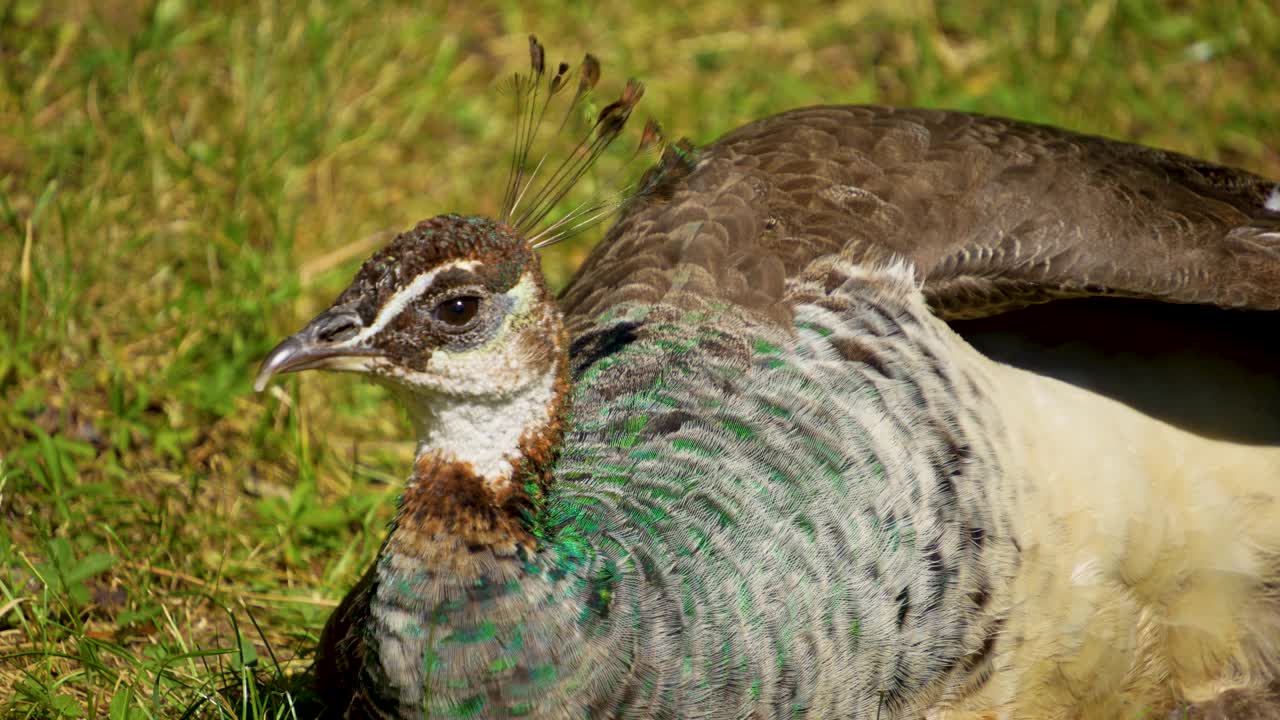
point(454, 316)
point(457, 306)
point(455, 319)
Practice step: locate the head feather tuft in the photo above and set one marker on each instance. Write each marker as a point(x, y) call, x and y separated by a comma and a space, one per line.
point(529, 198)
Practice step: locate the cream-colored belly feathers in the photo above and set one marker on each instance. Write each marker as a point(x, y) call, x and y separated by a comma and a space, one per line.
point(1148, 565)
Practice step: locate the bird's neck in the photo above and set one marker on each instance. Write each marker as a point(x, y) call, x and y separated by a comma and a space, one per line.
point(478, 461)
point(461, 557)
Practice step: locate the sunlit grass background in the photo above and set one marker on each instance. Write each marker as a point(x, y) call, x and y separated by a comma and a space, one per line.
point(181, 186)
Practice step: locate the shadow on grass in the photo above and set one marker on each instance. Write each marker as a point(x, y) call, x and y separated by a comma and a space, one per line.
point(260, 688)
point(267, 694)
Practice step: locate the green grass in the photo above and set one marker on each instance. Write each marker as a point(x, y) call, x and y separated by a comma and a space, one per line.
point(180, 187)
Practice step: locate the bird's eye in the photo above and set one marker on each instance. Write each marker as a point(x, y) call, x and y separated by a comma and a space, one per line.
point(457, 312)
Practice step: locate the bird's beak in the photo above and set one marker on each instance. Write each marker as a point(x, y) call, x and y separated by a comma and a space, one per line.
point(330, 341)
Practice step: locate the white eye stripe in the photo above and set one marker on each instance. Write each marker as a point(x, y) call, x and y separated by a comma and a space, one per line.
point(405, 296)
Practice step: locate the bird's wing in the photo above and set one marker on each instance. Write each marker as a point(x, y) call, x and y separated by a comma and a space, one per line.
point(994, 214)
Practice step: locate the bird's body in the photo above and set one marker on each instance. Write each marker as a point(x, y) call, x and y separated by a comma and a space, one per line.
point(751, 472)
point(732, 540)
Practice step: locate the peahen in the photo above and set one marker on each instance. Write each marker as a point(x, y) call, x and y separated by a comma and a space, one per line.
point(743, 468)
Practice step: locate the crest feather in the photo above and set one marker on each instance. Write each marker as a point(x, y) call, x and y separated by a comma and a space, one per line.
point(529, 198)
